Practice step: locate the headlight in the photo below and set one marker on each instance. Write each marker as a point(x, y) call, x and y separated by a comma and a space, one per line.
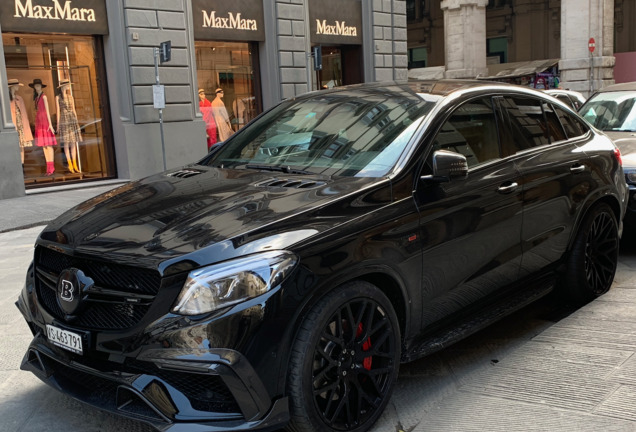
point(631, 177)
point(232, 282)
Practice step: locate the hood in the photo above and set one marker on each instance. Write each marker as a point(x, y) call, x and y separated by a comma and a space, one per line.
point(219, 213)
point(626, 143)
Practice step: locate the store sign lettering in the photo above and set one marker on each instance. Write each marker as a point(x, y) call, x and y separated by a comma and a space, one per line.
point(55, 12)
point(230, 22)
point(339, 29)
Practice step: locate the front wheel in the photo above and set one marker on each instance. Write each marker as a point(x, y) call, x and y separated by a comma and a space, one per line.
point(592, 262)
point(344, 361)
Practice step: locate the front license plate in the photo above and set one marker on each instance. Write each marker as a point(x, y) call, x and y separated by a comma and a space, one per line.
point(65, 339)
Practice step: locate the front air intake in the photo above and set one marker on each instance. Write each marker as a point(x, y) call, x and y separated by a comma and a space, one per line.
point(185, 173)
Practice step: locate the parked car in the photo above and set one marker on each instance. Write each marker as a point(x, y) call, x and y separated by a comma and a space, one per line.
point(281, 280)
point(571, 98)
point(612, 109)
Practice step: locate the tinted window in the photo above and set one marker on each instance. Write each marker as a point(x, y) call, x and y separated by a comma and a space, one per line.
point(572, 125)
point(527, 124)
point(472, 131)
point(565, 99)
point(555, 130)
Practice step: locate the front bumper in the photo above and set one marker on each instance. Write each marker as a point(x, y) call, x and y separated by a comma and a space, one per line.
point(170, 388)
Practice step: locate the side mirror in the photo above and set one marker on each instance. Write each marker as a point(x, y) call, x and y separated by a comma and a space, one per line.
point(446, 166)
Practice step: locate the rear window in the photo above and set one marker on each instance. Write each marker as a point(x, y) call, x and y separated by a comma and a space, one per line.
point(573, 126)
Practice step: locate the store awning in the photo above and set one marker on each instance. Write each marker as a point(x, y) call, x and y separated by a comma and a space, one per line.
point(518, 69)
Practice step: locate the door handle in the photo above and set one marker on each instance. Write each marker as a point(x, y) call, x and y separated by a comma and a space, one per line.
point(577, 168)
point(507, 187)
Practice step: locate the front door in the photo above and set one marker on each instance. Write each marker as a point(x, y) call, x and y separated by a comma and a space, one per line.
point(470, 227)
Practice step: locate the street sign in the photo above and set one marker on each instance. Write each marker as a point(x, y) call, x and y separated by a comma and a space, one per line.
point(591, 45)
point(165, 51)
point(158, 96)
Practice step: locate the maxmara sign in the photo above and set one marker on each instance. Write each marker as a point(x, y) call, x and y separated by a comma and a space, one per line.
point(232, 21)
point(237, 20)
point(338, 29)
point(59, 16)
point(57, 11)
point(337, 22)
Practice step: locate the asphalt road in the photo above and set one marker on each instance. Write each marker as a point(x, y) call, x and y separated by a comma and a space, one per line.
point(541, 369)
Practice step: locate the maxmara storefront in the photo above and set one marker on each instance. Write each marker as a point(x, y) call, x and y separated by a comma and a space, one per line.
point(76, 76)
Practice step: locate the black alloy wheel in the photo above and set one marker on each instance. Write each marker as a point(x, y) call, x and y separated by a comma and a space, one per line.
point(594, 257)
point(345, 361)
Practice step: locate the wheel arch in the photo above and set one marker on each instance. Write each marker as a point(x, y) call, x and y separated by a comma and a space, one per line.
point(610, 200)
point(384, 278)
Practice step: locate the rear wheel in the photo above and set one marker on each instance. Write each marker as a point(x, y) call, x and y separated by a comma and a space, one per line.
point(594, 256)
point(344, 361)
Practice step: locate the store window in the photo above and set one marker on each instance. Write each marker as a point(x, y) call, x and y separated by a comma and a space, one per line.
point(57, 107)
point(227, 86)
point(341, 65)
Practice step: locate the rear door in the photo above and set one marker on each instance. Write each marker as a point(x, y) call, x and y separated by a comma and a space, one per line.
point(555, 178)
point(470, 227)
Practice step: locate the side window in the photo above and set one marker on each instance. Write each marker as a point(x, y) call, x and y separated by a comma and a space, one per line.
point(572, 125)
point(527, 125)
point(555, 130)
point(565, 99)
point(472, 131)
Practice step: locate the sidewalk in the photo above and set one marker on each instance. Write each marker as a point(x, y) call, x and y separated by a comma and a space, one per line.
point(41, 206)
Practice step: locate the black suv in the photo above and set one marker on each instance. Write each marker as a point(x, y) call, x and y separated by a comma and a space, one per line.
point(282, 279)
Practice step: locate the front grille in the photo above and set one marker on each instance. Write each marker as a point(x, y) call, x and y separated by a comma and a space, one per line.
point(113, 314)
point(102, 316)
point(105, 275)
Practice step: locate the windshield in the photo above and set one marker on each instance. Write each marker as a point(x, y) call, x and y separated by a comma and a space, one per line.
point(355, 133)
point(611, 111)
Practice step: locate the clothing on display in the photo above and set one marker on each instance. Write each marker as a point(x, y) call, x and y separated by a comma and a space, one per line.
point(210, 125)
point(68, 129)
point(21, 122)
point(221, 117)
point(43, 135)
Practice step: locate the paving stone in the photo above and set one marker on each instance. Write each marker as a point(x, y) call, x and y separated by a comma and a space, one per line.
point(470, 413)
point(625, 373)
point(620, 404)
point(546, 388)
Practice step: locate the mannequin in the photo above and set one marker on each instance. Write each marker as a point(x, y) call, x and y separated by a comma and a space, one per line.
point(20, 117)
point(221, 116)
point(67, 126)
point(210, 125)
point(44, 132)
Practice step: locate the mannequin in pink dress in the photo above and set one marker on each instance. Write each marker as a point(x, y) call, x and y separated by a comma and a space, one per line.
point(44, 132)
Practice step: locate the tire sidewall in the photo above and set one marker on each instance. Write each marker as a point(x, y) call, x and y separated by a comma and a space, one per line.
point(578, 287)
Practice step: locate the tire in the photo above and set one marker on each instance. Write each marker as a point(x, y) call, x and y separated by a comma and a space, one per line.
point(592, 262)
point(356, 369)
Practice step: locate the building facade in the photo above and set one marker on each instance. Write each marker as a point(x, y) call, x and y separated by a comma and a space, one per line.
point(536, 33)
point(78, 91)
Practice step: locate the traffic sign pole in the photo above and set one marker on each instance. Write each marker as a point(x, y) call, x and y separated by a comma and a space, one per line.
point(591, 46)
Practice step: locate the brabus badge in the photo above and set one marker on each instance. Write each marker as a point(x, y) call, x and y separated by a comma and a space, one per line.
point(72, 286)
point(66, 292)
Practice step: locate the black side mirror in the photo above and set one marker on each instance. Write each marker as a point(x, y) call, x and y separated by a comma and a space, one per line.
point(446, 166)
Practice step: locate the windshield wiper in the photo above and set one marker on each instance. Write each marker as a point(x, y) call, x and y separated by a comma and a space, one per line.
point(286, 169)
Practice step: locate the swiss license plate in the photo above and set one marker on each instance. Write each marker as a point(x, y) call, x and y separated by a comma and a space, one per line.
point(64, 339)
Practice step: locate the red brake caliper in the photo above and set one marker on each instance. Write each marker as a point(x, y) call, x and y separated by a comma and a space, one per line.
point(366, 346)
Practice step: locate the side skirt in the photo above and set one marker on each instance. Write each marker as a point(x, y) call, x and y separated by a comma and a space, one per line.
point(477, 321)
